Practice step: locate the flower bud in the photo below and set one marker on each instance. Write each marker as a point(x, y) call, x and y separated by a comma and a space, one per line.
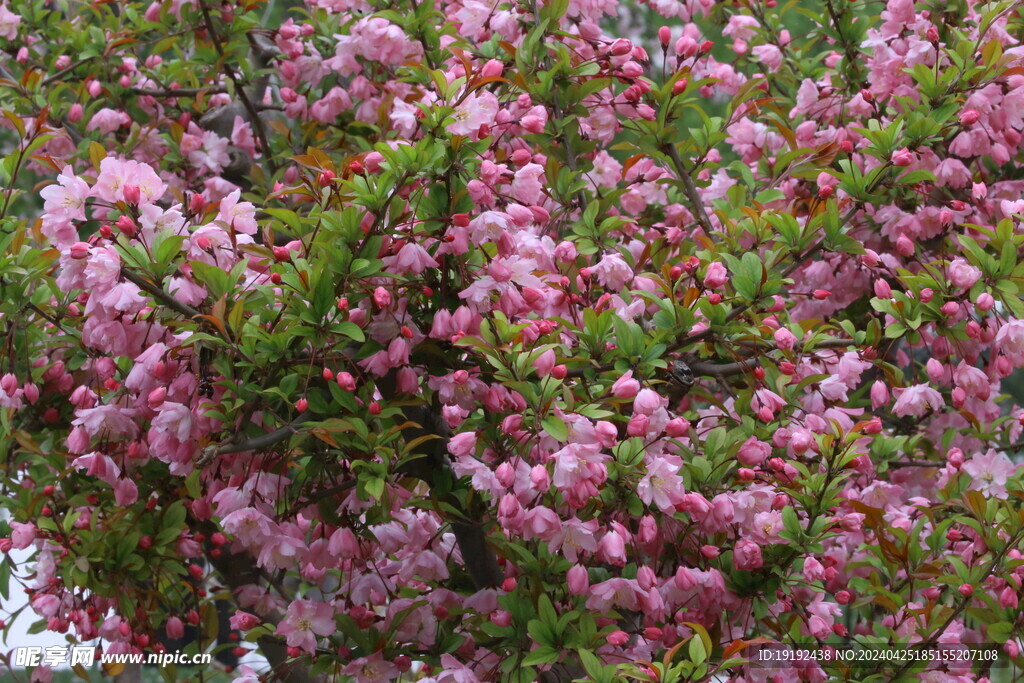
point(132, 194)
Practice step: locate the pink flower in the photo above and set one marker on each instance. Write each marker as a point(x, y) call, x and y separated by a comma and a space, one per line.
point(613, 272)
point(617, 592)
point(990, 472)
point(67, 198)
point(414, 259)
point(237, 216)
point(304, 621)
point(661, 485)
point(475, 111)
point(747, 555)
point(115, 174)
point(962, 274)
point(1010, 340)
point(784, 339)
point(753, 452)
point(8, 23)
point(917, 400)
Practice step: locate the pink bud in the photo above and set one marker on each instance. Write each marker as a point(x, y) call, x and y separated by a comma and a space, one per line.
point(512, 423)
point(710, 551)
point(577, 580)
point(677, 427)
point(381, 297)
point(966, 590)
point(1008, 598)
point(175, 628)
point(621, 47)
point(197, 203)
point(492, 68)
point(882, 289)
point(843, 597)
point(985, 301)
point(955, 457)
point(346, 381)
point(126, 225)
point(505, 475)
point(617, 638)
point(927, 294)
point(79, 250)
point(156, 397)
point(822, 294)
point(950, 308)
point(544, 363)
point(75, 113)
point(969, 117)
point(664, 36)
point(132, 195)
point(879, 394)
point(903, 157)
point(638, 425)
point(539, 478)
point(94, 88)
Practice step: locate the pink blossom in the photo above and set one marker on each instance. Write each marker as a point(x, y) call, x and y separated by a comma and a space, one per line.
point(989, 472)
point(747, 555)
point(917, 400)
point(962, 274)
point(304, 621)
point(475, 111)
point(661, 485)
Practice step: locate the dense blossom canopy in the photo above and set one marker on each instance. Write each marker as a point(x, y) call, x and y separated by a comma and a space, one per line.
point(478, 340)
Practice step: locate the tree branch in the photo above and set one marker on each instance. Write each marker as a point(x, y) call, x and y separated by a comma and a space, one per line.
point(238, 570)
point(158, 293)
point(179, 92)
point(257, 443)
point(257, 122)
point(688, 186)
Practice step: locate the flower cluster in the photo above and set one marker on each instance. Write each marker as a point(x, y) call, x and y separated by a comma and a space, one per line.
point(460, 341)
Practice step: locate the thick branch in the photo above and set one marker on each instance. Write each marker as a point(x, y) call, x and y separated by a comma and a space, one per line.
point(238, 570)
point(435, 468)
point(257, 122)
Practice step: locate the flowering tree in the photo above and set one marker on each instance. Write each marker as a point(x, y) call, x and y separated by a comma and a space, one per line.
point(465, 340)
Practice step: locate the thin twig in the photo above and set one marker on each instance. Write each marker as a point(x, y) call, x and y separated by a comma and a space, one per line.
point(688, 186)
point(159, 293)
point(179, 92)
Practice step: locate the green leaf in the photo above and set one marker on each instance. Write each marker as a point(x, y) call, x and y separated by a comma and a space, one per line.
point(554, 426)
